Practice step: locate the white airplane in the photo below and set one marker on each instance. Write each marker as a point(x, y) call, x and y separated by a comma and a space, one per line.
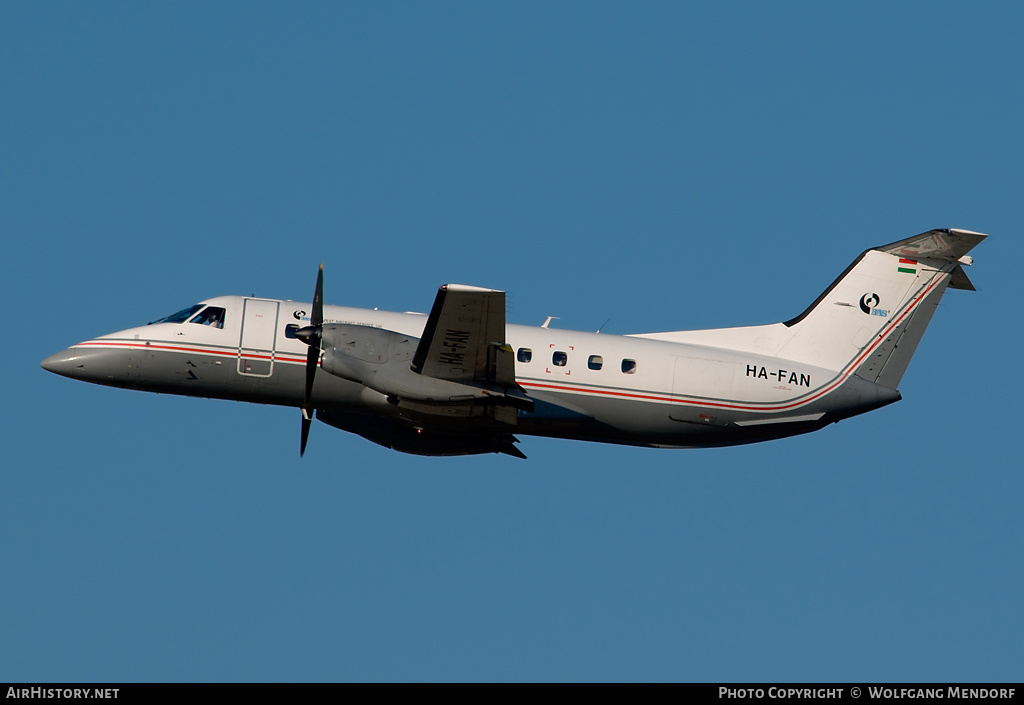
point(460, 381)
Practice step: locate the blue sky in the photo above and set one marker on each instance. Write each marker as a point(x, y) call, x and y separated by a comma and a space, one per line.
point(663, 167)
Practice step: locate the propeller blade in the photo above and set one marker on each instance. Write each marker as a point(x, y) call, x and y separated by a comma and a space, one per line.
point(312, 358)
point(317, 318)
point(307, 420)
point(312, 335)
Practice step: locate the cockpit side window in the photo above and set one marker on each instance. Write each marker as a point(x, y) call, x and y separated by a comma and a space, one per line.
point(212, 316)
point(180, 316)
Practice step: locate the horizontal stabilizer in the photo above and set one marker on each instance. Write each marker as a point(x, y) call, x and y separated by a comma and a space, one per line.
point(959, 280)
point(949, 244)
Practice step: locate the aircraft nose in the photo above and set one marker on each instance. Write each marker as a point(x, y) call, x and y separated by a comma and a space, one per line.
point(62, 363)
point(101, 364)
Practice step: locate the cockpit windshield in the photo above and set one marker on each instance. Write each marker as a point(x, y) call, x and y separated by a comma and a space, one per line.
point(212, 316)
point(180, 316)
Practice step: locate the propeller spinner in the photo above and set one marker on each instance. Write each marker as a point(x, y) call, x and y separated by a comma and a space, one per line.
point(312, 335)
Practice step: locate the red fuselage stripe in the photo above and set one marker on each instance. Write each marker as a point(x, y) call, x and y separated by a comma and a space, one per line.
point(181, 348)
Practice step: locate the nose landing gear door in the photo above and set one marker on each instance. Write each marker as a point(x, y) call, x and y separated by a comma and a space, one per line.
point(256, 346)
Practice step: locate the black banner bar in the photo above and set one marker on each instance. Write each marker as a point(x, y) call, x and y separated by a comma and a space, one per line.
point(733, 692)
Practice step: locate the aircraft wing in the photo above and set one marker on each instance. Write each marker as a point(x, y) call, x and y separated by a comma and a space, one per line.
point(464, 339)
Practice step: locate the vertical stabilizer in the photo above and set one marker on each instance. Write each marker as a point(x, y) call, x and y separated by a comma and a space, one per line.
point(871, 319)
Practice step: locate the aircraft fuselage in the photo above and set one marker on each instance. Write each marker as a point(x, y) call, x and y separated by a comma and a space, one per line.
point(586, 386)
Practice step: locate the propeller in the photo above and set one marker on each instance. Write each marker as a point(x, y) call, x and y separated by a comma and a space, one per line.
point(312, 335)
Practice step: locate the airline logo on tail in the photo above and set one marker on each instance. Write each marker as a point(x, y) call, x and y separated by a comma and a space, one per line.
point(868, 302)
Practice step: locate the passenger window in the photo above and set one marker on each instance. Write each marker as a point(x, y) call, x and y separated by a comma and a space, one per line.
point(524, 355)
point(629, 366)
point(289, 331)
point(595, 362)
point(212, 316)
point(559, 359)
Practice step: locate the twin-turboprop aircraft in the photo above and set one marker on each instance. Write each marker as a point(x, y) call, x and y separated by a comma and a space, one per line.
point(461, 381)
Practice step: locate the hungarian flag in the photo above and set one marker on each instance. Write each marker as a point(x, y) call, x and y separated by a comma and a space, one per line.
point(905, 268)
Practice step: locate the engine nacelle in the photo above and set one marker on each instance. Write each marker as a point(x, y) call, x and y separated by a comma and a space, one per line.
point(380, 359)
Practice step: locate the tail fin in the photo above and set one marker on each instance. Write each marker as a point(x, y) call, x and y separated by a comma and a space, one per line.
point(871, 319)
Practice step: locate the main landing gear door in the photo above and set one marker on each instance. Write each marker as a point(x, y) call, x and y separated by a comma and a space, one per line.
point(256, 346)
